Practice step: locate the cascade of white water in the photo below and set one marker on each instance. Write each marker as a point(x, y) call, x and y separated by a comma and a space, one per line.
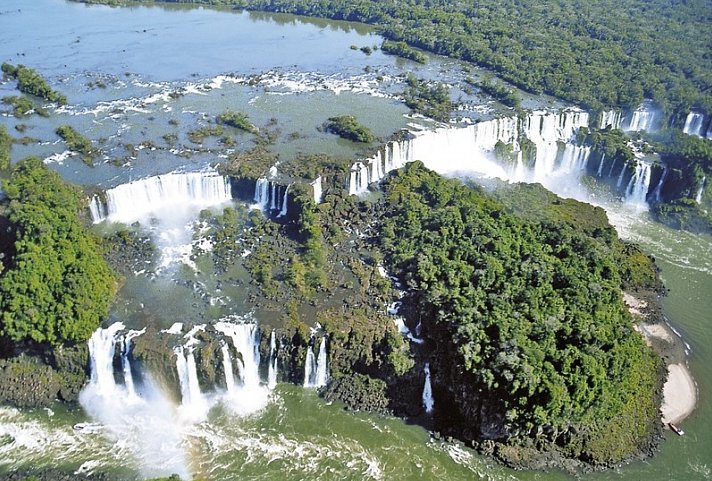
point(272, 366)
point(261, 197)
point(149, 421)
point(310, 369)
point(642, 118)
point(227, 368)
point(619, 182)
point(701, 190)
point(136, 200)
point(709, 131)
point(285, 201)
point(364, 175)
point(246, 340)
point(694, 124)
point(322, 369)
point(193, 402)
point(353, 181)
point(612, 118)
point(428, 401)
point(547, 130)
point(274, 193)
point(125, 361)
point(452, 151)
point(102, 346)
point(600, 166)
point(97, 209)
point(316, 188)
point(574, 159)
point(375, 165)
point(657, 192)
point(639, 183)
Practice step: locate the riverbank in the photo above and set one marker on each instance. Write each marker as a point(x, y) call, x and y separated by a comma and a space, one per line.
point(679, 394)
point(680, 389)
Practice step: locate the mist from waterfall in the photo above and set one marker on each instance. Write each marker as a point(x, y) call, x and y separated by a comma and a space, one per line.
point(140, 419)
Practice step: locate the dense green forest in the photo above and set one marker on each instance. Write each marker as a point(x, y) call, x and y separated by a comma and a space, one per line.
point(347, 127)
point(525, 316)
point(596, 53)
point(32, 83)
point(56, 287)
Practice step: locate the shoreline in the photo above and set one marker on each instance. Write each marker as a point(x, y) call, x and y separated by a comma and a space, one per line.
point(679, 396)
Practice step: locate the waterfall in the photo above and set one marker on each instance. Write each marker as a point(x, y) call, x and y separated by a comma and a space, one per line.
point(261, 194)
point(146, 420)
point(322, 372)
point(193, 403)
point(316, 371)
point(619, 182)
point(274, 192)
point(694, 124)
point(97, 209)
point(285, 200)
point(125, 361)
point(612, 118)
point(428, 401)
point(310, 369)
point(227, 368)
point(317, 189)
point(600, 166)
point(642, 118)
point(639, 183)
point(139, 199)
point(657, 192)
point(272, 366)
point(468, 149)
point(701, 190)
point(102, 346)
point(574, 159)
point(246, 340)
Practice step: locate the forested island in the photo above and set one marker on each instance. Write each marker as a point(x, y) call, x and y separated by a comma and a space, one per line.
point(507, 301)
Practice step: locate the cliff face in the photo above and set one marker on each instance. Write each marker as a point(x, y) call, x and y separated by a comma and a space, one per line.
point(399, 304)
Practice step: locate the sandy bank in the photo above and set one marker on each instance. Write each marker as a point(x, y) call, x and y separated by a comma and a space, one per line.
point(680, 390)
point(679, 394)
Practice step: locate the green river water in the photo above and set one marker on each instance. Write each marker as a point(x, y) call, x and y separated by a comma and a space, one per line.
point(307, 72)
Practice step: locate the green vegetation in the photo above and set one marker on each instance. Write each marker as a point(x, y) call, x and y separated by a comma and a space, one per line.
point(431, 99)
point(251, 164)
point(507, 96)
point(526, 319)
point(198, 136)
point(534, 203)
point(347, 127)
point(56, 288)
point(402, 49)
point(22, 106)
point(596, 53)
point(238, 120)
point(76, 142)
point(687, 202)
point(32, 83)
point(5, 145)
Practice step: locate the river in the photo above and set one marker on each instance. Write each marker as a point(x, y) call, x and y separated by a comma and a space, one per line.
point(118, 67)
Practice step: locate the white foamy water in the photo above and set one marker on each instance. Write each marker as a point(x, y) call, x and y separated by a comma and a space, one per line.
point(249, 394)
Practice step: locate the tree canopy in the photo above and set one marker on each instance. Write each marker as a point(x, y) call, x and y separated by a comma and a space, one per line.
point(597, 53)
point(526, 315)
point(56, 288)
point(31, 82)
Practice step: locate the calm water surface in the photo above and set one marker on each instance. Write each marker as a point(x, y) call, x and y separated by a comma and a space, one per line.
point(117, 66)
